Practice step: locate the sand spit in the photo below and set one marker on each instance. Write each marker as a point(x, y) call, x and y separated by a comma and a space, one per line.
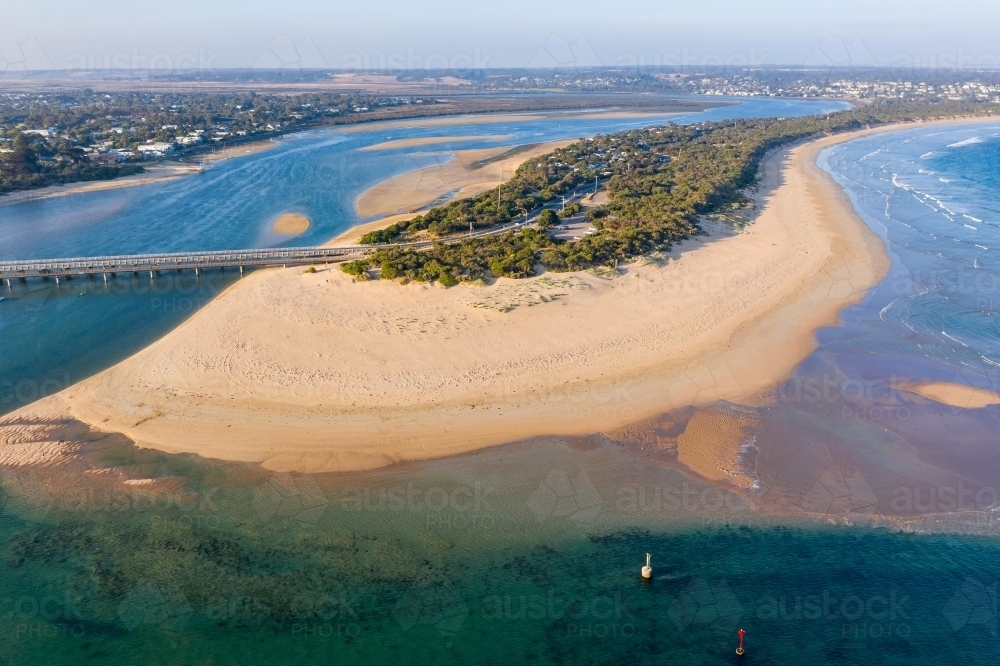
point(489, 118)
point(433, 140)
point(467, 174)
point(443, 121)
point(291, 224)
point(312, 372)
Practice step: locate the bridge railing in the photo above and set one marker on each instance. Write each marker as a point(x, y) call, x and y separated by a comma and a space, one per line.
point(207, 259)
point(174, 259)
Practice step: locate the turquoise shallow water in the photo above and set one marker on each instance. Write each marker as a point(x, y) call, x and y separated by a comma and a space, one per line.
point(531, 552)
point(529, 555)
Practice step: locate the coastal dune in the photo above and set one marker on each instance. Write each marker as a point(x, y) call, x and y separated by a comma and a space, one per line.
point(313, 372)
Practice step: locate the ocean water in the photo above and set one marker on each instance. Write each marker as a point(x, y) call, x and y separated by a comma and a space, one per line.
point(54, 338)
point(933, 195)
point(842, 434)
point(525, 554)
point(870, 537)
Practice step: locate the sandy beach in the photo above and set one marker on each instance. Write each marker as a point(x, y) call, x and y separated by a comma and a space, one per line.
point(467, 174)
point(312, 372)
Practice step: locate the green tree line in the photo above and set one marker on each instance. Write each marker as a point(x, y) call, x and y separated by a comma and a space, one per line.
point(659, 180)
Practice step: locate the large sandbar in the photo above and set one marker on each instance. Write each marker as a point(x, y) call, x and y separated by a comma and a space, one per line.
point(312, 372)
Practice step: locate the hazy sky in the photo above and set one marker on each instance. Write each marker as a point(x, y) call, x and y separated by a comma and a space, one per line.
point(467, 34)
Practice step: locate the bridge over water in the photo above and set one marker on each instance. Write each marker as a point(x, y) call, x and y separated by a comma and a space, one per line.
point(175, 261)
point(110, 266)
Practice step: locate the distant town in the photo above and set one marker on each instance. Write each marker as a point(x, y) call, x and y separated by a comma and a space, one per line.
point(862, 85)
point(114, 127)
point(104, 128)
point(49, 138)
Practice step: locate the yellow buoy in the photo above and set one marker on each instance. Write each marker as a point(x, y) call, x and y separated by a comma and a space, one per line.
point(647, 571)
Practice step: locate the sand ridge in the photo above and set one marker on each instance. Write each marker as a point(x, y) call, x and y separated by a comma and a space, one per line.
point(313, 372)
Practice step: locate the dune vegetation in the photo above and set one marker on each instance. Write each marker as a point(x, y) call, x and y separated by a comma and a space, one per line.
point(659, 180)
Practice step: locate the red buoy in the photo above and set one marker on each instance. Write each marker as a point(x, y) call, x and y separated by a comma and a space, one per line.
point(739, 650)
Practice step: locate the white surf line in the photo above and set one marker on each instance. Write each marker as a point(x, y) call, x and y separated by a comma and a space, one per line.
point(990, 361)
point(954, 339)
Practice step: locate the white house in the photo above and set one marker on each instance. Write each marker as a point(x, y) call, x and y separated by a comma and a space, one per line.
point(156, 148)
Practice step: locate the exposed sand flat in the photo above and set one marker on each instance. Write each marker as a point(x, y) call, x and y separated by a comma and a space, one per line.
point(433, 140)
point(291, 224)
point(711, 442)
point(956, 395)
point(486, 118)
point(457, 179)
point(444, 121)
point(312, 372)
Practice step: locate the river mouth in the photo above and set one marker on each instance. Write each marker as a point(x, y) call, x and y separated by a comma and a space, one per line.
point(861, 528)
